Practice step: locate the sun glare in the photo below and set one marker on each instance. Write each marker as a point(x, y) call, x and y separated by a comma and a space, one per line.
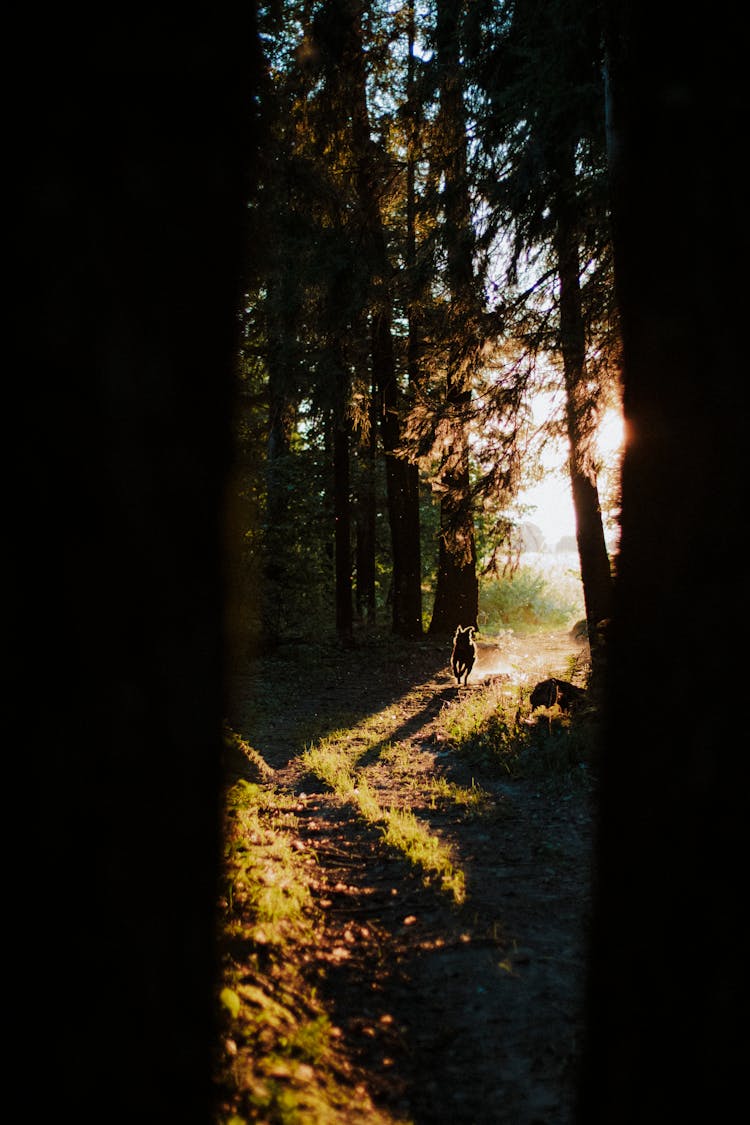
point(610, 437)
point(551, 500)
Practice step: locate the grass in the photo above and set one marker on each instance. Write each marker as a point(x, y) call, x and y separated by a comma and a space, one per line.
point(403, 831)
point(277, 1061)
point(495, 732)
point(279, 1058)
point(337, 759)
point(258, 859)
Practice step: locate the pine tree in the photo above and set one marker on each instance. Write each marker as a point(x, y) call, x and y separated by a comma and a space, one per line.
point(543, 117)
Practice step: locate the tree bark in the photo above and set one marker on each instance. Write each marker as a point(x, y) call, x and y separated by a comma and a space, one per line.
point(457, 590)
point(667, 1016)
point(596, 576)
point(402, 489)
point(401, 478)
point(365, 523)
point(281, 417)
point(135, 136)
point(342, 532)
point(456, 593)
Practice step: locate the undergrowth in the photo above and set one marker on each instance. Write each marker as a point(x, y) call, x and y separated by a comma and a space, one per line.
point(277, 1061)
point(531, 597)
point(496, 731)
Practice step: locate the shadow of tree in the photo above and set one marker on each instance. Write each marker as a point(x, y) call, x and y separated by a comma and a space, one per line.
point(408, 729)
point(284, 702)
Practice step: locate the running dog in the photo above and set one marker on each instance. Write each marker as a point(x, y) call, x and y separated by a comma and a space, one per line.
point(464, 653)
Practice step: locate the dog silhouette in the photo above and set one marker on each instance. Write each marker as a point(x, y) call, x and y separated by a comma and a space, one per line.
point(464, 652)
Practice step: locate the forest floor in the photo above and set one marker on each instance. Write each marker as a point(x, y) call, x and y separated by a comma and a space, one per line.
point(465, 1013)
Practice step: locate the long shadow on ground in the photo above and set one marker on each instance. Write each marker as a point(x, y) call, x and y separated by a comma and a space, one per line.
point(440, 1022)
point(282, 702)
point(462, 1016)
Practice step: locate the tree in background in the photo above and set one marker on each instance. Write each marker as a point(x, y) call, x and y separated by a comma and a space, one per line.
point(434, 211)
point(457, 589)
point(541, 114)
point(286, 481)
point(322, 200)
point(372, 172)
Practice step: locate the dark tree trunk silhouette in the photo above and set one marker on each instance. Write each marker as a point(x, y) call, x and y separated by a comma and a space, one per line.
point(457, 588)
point(365, 522)
point(414, 346)
point(281, 421)
point(596, 577)
point(401, 478)
point(401, 486)
point(457, 591)
point(342, 513)
point(666, 1012)
point(131, 232)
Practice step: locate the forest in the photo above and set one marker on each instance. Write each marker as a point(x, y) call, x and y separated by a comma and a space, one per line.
point(432, 255)
point(288, 280)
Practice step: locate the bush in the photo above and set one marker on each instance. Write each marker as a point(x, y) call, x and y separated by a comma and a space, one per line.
point(531, 598)
point(495, 732)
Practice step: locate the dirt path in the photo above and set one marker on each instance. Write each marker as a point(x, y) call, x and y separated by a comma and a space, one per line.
point(471, 1014)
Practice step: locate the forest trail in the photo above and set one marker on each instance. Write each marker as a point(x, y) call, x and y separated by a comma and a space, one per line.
point(463, 1014)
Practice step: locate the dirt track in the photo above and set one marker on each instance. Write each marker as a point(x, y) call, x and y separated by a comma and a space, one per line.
point(466, 1015)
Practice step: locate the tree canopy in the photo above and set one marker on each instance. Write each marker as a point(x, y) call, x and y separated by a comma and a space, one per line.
point(431, 251)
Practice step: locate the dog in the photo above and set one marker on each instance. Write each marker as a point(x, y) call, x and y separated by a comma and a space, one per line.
point(553, 691)
point(464, 653)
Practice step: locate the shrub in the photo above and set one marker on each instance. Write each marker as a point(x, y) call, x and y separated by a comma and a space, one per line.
point(531, 598)
point(497, 733)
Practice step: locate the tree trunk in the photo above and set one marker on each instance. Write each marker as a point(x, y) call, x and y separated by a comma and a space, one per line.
point(402, 490)
point(414, 345)
point(132, 228)
point(342, 519)
point(365, 522)
point(281, 417)
point(667, 1014)
point(401, 479)
point(457, 590)
point(596, 574)
point(342, 535)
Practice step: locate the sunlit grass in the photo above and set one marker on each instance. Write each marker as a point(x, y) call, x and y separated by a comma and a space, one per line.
point(486, 728)
point(403, 831)
point(473, 798)
point(331, 761)
point(279, 1061)
point(259, 862)
point(496, 732)
point(336, 761)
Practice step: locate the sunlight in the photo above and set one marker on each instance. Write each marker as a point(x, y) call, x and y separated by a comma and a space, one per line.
point(610, 437)
point(550, 499)
point(340, 759)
